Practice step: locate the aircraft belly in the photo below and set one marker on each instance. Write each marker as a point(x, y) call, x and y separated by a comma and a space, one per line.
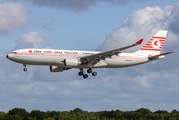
point(117, 63)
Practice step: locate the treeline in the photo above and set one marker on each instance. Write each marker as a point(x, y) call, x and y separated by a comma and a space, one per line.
point(78, 114)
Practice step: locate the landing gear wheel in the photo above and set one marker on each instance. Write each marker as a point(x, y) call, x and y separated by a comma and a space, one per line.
point(85, 76)
point(89, 71)
point(25, 69)
point(94, 73)
point(80, 73)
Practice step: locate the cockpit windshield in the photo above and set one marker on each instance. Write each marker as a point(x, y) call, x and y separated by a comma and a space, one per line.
point(13, 52)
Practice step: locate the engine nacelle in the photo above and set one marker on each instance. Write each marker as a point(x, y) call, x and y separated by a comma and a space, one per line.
point(72, 62)
point(57, 69)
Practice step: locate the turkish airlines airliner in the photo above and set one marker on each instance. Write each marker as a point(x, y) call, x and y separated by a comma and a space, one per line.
point(61, 60)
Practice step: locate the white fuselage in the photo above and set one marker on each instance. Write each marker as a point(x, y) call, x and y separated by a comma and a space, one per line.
point(61, 60)
point(52, 57)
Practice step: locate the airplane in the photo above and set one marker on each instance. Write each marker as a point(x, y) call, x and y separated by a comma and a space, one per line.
point(62, 60)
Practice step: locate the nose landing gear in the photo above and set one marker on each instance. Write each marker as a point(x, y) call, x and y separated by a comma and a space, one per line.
point(25, 69)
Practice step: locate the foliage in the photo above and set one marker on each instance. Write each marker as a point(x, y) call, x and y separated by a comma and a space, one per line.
point(39, 115)
point(79, 114)
point(67, 118)
point(77, 110)
point(11, 117)
point(31, 118)
point(49, 118)
point(19, 111)
point(2, 114)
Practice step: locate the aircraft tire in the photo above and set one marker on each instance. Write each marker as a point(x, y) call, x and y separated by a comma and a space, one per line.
point(80, 73)
point(85, 76)
point(89, 71)
point(94, 73)
point(25, 69)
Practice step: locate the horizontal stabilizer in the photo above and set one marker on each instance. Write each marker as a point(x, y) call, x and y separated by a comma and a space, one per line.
point(157, 56)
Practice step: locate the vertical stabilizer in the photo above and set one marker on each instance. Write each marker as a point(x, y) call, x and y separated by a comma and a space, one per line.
point(155, 44)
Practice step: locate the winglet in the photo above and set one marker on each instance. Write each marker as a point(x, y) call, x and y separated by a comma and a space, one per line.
point(140, 41)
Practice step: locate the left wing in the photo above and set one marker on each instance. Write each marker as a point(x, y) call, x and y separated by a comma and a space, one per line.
point(94, 58)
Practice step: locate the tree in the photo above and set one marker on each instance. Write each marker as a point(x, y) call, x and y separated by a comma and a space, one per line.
point(77, 110)
point(144, 111)
point(49, 118)
point(67, 118)
point(172, 118)
point(31, 118)
point(124, 118)
point(39, 115)
point(161, 112)
point(2, 114)
point(174, 111)
point(11, 117)
point(53, 114)
point(19, 111)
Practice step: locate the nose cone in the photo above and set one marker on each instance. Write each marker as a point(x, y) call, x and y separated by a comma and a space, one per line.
point(7, 56)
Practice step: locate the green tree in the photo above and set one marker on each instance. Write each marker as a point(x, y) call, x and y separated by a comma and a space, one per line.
point(172, 118)
point(72, 114)
point(19, 111)
point(161, 112)
point(67, 118)
point(31, 118)
point(64, 114)
point(174, 111)
point(77, 110)
point(144, 111)
point(53, 114)
point(2, 114)
point(124, 118)
point(39, 115)
point(49, 118)
point(12, 117)
point(176, 115)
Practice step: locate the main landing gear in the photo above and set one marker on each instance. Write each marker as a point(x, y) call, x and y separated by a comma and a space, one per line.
point(25, 69)
point(82, 73)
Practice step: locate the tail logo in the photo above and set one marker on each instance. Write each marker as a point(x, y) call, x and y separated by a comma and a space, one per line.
point(156, 44)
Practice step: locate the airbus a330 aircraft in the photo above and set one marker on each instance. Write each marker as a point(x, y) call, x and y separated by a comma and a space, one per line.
point(61, 60)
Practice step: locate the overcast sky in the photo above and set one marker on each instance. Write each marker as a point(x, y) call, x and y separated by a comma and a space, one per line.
point(88, 25)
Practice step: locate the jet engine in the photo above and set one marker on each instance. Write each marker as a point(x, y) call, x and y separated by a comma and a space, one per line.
point(72, 62)
point(57, 69)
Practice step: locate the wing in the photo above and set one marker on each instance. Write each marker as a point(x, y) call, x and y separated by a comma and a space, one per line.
point(94, 58)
